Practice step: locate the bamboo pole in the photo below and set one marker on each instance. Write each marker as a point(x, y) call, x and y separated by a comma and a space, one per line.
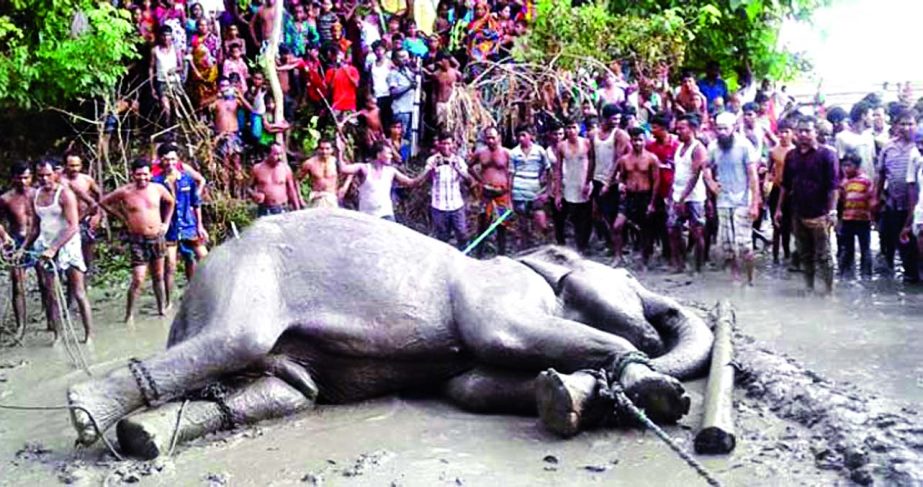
point(269, 68)
point(717, 433)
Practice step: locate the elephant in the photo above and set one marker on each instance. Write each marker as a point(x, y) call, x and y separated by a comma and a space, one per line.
point(334, 306)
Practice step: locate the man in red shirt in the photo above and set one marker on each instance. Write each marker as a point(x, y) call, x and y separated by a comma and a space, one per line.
point(342, 80)
point(663, 146)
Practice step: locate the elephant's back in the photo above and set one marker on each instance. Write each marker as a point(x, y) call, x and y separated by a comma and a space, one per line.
point(326, 261)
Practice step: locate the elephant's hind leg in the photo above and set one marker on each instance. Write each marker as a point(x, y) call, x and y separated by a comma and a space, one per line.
point(489, 390)
point(151, 433)
point(243, 325)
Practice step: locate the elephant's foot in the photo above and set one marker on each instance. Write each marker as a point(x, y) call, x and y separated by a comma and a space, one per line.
point(566, 402)
point(100, 403)
point(152, 433)
point(661, 397)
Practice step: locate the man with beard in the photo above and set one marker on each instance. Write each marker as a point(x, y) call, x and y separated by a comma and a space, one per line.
point(810, 181)
point(638, 175)
point(732, 176)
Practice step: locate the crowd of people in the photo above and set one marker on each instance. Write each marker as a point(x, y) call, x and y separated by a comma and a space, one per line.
point(637, 164)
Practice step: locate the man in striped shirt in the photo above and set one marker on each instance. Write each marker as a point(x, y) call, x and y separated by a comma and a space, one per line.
point(447, 170)
point(531, 167)
point(892, 190)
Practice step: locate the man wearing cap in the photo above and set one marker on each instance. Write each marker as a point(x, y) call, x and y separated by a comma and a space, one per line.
point(732, 176)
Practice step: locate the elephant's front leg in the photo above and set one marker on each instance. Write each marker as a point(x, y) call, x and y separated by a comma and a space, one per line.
point(504, 333)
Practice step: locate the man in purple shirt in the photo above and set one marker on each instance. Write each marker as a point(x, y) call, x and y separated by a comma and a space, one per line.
point(810, 185)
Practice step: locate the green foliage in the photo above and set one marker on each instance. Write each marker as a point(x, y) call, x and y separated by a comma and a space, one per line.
point(112, 266)
point(566, 34)
point(57, 50)
point(224, 214)
point(735, 33)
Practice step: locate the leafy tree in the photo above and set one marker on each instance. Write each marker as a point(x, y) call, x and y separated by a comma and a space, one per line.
point(735, 33)
point(566, 34)
point(53, 51)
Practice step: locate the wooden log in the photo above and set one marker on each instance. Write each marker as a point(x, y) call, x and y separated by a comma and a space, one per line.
point(717, 433)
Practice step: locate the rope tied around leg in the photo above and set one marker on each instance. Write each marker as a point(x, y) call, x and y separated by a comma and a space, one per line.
point(628, 358)
point(218, 394)
point(149, 393)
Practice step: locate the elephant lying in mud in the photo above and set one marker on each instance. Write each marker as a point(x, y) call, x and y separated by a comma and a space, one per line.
point(334, 306)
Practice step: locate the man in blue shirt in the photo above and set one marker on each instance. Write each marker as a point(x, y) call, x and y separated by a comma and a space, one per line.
point(712, 86)
point(186, 233)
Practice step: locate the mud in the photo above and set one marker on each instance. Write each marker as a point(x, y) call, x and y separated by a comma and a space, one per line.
point(795, 427)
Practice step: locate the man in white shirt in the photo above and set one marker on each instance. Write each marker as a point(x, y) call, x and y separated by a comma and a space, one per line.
point(858, 137)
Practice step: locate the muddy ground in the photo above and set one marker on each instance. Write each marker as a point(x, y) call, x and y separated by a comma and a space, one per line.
point(864, 335)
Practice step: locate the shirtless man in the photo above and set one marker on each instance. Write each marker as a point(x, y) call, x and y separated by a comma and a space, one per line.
point(322, 168)
point(572, 183)
point(86, 188)
point(264, 16)
point(16, 209)
point(445, 77)
point(370, 115)
point(781, 233)
point(491, 169)
point(272, 185)
point(147, 210)
point(638, 174)
point(229, 145)
point(55, 236)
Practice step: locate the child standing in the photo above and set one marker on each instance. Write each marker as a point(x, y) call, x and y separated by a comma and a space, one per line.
point(858, 195)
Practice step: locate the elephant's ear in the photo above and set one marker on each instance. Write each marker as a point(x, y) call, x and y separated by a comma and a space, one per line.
point(552, 263)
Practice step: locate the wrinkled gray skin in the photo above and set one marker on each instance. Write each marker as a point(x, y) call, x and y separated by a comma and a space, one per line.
point(335, 306)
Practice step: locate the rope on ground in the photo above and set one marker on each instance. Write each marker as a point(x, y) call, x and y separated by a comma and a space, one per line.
point(70, 333)
point(179, 417)
point(624, 403)
point(99, 430)
point(81, 361)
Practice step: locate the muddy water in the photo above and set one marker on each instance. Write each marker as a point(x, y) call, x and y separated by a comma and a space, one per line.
point(414, 441)
point(868, 333)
